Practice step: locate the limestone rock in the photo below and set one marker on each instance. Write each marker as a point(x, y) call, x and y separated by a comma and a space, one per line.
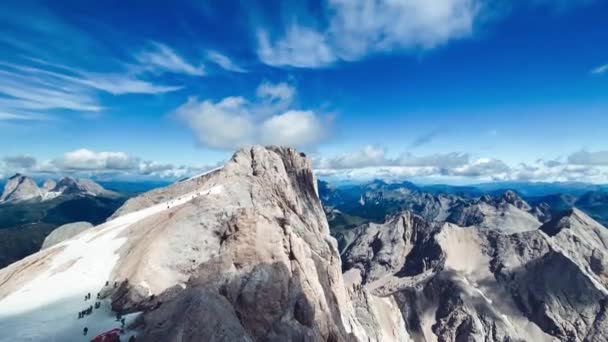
point(65, 232)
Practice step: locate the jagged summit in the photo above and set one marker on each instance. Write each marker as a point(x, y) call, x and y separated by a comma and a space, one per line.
point(20, 188)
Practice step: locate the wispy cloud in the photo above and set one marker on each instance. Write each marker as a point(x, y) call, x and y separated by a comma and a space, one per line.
point(602, 69)
point(161, 58)
point(424, 139)
point(27, 92)
point(224, 62)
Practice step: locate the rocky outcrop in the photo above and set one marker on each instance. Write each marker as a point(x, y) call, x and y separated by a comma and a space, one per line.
point(507, 213)
point(20, 188)
point(65, 232)
point(467, 284)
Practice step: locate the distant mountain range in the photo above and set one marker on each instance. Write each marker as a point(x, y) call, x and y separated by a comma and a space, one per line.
point(244, 253)
point(20, 188)
point(350, 205)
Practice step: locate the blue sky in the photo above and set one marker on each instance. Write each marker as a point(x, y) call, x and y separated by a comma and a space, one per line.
point(448, 90)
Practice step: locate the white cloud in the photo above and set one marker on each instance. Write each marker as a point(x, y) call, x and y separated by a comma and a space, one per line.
point(292, 128)
point(372, 162)
point(224, 62)
point(234, 122)
point(30, 91)
point(118, 84)
point(365, 157)
point(87, 163)
point(84, 159)
point(160, 57)
point(279, 92)
point(299, 47)
point(370, 156)
point(354, 29)
point(225, 124)
point(602, 69)
point(599, 158)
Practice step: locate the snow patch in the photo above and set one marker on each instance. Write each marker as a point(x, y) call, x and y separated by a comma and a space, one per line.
point(47, 307)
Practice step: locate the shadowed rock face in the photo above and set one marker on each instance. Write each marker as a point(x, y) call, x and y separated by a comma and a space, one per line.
point(468, 284)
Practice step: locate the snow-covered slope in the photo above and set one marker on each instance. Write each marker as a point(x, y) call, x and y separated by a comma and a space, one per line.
point(43, 303)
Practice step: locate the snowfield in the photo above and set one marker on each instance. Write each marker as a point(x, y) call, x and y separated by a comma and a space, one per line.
point(46, 307)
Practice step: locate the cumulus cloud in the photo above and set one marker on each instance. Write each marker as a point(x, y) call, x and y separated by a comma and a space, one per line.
point(299, 47)
point(224, 124)
point(349, 30)
point(371, 156)
point(365, 157)
point(354, 29)
point(372, 162)
point(84, 159)
point(85, 162)
point(481, 168)
point(234, 121)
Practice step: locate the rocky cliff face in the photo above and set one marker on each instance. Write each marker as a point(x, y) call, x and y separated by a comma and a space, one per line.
point(242, 253)
point(468, 284)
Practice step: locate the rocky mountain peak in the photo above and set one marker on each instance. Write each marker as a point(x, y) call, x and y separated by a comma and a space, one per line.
point(570, 219)
point(20, 188)
point(514, 199)
point(49, 185)
point(70, 185)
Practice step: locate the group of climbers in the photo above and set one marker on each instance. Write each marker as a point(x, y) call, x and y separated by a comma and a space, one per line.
point(89, 310)
point(112, 335)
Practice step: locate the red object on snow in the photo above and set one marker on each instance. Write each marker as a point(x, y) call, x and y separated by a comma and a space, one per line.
point(108, 336)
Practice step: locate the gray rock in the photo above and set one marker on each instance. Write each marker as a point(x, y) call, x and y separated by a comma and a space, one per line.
point(20, 188)
point(65, 232)
point(469, 284)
